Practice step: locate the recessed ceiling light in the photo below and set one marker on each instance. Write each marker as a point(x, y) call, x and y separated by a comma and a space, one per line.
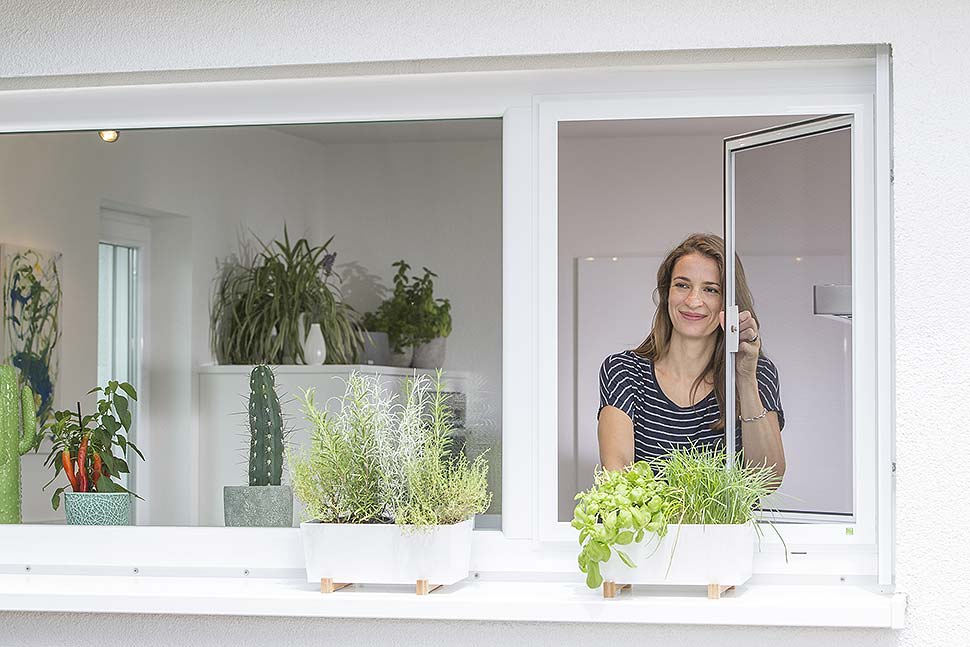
point(109, 135)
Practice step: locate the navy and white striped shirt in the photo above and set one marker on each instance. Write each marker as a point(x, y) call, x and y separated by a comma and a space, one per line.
point(627, 382)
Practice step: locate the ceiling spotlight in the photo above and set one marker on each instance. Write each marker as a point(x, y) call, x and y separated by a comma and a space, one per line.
point(108, 135)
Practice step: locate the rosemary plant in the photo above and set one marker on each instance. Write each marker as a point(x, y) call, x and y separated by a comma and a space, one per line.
point(373, 459)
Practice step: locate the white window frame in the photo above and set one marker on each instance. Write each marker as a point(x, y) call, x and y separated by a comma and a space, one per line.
point(527, 545)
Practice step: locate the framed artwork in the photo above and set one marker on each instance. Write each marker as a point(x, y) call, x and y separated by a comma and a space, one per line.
point(30, 327)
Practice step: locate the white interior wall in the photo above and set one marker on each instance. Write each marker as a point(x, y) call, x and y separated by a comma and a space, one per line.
point(436, 204)
point(932, 124)
point(216, 180)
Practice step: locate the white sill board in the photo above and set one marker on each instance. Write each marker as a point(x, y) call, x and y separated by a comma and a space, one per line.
point(753, 605)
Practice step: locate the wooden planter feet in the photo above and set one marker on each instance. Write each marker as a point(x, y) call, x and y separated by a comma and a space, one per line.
point(612, 589)
point(327, 585)
point(422, 587)
point(714, 591)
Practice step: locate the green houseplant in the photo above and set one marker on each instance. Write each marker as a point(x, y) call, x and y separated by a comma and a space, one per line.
point(84, 449)
point(682, 519)
point(387, 500)
point(413, 318)
point(265, 501)
point(18, 429)
point(263, 303)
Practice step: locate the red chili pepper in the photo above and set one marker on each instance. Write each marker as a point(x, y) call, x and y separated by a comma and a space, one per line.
point(69, 468)
point(81, 466)
point(96, 468)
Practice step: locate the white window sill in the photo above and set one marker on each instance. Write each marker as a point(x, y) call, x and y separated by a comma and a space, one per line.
point(753, 604)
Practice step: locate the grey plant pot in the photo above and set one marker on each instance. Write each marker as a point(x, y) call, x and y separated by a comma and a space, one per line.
point(262, 506)
point(402, 359)
point(430, 355)
point(97, 508)
point(376, 349)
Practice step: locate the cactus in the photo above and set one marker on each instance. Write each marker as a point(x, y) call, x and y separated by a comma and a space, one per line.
point(265, 429)
point(13, 443)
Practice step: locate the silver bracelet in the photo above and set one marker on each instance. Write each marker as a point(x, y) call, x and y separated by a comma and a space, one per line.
point(764, 412)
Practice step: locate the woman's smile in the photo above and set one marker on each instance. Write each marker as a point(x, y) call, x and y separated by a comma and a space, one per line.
point(693, 316)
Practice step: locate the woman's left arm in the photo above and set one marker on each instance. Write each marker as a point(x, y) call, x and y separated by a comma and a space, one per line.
point(761, 438)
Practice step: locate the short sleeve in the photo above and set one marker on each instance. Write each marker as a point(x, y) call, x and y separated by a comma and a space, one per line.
point(617, 384)
point(770, 389)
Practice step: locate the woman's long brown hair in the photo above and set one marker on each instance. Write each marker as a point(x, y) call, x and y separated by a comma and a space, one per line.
point(657, 343)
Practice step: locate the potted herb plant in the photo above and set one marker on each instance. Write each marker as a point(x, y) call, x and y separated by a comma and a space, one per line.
point(387, 501)
point(265, 501)
point(265, 303)
point(83, 448)
point(416, 323)
point(16, 439)
point(691, 523)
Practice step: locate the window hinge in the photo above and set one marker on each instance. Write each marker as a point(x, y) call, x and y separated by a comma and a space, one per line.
point(894, 468)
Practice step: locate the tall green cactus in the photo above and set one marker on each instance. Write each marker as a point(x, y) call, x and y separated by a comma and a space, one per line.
point(14, 443)
point(265, 429)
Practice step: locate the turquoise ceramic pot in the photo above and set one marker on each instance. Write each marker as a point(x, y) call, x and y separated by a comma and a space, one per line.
point(97, 508)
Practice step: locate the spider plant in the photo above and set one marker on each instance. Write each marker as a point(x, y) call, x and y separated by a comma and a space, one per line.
point(263, 302)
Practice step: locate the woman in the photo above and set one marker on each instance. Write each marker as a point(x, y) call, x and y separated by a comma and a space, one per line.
point(669, 392)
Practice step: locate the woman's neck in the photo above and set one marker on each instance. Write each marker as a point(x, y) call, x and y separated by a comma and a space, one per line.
point(687, 359)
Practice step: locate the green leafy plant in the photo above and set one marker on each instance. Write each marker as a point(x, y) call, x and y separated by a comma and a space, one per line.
point(620, 509)
point(261, 302)
point(690, 486)
point(412, 315)
point(373, 459)
point(83, 446)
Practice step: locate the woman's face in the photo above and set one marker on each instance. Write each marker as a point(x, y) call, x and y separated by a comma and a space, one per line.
point(694, 300)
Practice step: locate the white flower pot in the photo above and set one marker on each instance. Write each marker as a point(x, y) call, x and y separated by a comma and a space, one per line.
point(386, 553)
point(696, 555)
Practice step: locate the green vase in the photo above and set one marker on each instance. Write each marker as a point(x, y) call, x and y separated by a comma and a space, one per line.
point(97, 508)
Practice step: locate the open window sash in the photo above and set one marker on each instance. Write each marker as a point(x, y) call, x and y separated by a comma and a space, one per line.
point(732, 147)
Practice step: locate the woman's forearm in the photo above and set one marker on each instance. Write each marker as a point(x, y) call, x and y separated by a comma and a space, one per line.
point(762, 437)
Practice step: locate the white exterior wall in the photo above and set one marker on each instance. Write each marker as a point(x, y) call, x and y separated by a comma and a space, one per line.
point(932, 126)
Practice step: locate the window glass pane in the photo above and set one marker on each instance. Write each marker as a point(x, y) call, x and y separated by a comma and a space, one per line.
point(793, 230)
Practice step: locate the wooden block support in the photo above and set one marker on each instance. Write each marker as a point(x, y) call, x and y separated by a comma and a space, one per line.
point(714, 591)
point(327, 585)
point(612, 589)
point(421, 587)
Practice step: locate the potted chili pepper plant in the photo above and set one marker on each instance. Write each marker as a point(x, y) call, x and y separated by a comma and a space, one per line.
point(84, 450)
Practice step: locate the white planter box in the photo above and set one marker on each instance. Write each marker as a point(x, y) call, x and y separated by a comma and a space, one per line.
point(696, 555)
point(386, 553)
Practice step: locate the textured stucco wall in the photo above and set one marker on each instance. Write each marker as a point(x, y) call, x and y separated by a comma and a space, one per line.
point(932, 126)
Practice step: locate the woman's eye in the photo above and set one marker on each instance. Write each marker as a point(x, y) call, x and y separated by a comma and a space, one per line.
point(682, 286)
point(713, 290)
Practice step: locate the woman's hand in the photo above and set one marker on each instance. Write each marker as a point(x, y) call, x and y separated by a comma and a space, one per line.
point(749, 346)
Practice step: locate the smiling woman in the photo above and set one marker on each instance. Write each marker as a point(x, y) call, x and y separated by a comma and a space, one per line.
point(666, 394)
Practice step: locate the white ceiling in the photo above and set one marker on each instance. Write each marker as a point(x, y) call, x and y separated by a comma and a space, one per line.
point(706, 126)
point(491, 129)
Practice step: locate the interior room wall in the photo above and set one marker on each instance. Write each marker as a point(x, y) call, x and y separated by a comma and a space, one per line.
point(199, 187)
point(435, 204)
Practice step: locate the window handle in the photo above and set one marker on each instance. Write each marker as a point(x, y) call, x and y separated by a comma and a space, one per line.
point(732, 323)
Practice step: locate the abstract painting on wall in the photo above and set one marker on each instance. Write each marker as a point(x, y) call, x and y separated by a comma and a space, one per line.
point(30, 328)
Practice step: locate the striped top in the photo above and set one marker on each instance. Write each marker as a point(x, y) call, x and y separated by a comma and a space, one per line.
point(627, 382)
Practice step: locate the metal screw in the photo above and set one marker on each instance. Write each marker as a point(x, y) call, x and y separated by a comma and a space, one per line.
point(246, 572)
point(27, 568)
point(842, 579)
point(135, 570)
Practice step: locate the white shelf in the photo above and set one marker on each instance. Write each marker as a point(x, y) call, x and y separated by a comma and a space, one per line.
point(322, 369)
point(753, 605)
